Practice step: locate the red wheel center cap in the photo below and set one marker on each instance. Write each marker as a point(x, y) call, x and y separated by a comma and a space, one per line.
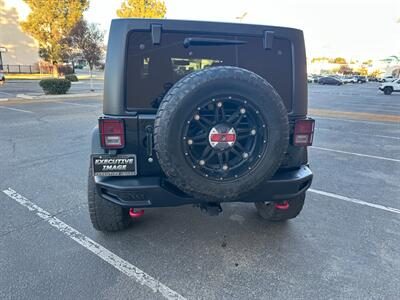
point(222, 136)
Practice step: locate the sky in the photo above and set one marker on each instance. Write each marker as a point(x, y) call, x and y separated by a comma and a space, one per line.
point(354, 29)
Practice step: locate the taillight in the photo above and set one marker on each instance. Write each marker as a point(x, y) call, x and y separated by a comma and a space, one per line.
point(112, 133)
point(303, 132)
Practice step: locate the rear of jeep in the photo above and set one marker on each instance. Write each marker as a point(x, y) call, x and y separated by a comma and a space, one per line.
point(200, 113)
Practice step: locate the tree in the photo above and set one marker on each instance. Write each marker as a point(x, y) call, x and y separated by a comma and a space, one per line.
point(345, 70)
point(319, 59)
point(87, 40)
point(50, 22)
point(376, 73)
point(367, 62)
point(339, 60)
point(142, 9)
point(362, 71)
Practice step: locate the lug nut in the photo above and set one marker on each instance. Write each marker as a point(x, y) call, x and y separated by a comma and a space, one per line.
point(225, 167)
point(242, 110)
point(202, 162)
point(190, 142)
point(196, 117)
point(219, 104)
point(253, 132)
point(245, 155)
point(150, 160)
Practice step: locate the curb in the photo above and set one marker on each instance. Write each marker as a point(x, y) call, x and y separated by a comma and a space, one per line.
point(41, 97)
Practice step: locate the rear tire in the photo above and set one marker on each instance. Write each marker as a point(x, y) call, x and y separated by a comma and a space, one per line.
point(387, 90)
point(105, 215)
point(268, 211)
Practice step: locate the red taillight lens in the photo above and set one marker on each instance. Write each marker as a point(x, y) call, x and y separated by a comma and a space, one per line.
point(303, 133)
point(112, 133)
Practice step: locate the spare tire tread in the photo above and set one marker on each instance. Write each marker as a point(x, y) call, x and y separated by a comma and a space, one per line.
point(170, 103)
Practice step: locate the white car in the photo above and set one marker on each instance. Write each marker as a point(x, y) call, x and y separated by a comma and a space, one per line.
point(390, 87)
point(349, 79)
point(388, 79)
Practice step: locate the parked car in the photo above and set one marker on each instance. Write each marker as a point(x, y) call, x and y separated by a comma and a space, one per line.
point(351, 79)
point(389, 78)
point(348, 79)
point(389, 87)
point(214, 132)
point(361, 79)
point(2, 78)
point(310, 78)
point(330, 80)
point(372, 79)
point(316, 78)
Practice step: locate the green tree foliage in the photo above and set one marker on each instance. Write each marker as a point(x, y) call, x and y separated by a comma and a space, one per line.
point(142, 9)
point(50, 22)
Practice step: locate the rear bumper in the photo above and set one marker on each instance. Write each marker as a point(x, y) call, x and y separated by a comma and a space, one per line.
point(155, 192)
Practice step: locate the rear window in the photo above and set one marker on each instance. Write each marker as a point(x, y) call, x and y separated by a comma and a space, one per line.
point(153, 69)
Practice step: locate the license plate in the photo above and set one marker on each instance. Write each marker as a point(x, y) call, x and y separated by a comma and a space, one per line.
point(114, 165)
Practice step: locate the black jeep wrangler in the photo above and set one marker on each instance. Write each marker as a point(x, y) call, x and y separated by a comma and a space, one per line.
point(200, 113)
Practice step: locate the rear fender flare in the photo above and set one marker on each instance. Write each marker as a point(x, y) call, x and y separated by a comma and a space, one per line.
point(96, 146)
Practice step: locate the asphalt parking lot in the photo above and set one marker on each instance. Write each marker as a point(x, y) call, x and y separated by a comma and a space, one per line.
point(16, 88)
point(344, 245)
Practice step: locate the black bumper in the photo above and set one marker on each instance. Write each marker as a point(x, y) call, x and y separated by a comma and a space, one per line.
point(155, 192)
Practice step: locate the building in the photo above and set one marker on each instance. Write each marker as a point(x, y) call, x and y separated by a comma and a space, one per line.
point(392, 66)
point(18, 51)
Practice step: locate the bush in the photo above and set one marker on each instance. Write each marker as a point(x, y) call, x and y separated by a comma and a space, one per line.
point(55, 86)
point(71, 77)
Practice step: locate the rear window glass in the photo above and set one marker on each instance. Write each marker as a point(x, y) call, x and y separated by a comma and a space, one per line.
point(153, 69)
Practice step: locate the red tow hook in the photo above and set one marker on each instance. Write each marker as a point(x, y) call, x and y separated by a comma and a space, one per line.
point(284, 205)
point(134, 213)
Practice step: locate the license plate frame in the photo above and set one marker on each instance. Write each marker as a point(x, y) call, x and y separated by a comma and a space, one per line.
point(114, 165)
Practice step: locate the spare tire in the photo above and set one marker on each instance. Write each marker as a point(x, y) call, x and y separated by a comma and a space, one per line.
point(220, 132)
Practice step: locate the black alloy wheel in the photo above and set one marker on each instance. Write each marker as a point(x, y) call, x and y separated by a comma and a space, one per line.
point(225, 138)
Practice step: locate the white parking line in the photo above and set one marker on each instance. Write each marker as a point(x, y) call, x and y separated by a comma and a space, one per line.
point(114, 260)
point(357, 154)
point(388, 137)
point(358, 133)
point(353, 121)
point(17, 109)
point(357, 201)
